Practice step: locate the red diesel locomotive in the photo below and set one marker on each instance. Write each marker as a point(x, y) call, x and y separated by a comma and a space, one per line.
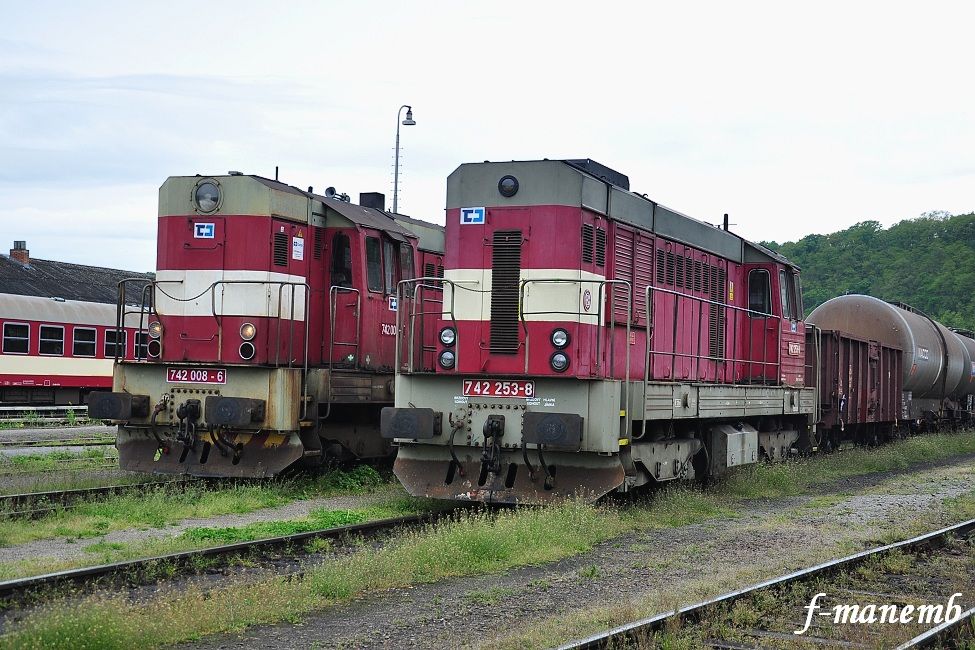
point(599, 341)
point(272, 328)
point(592, 340)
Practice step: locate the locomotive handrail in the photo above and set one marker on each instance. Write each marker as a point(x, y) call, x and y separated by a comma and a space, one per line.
point(437, 282)
point(121, 313)
point(600, 293)
point(725, 359)
point(417, 298)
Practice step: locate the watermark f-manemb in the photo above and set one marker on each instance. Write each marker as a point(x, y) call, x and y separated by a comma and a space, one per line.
point(872, 613)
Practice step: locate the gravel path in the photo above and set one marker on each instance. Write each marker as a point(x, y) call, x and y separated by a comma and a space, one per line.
point(662, 567)
point(60, 549)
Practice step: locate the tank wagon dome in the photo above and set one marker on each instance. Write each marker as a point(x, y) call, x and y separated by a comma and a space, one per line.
point(937, 361)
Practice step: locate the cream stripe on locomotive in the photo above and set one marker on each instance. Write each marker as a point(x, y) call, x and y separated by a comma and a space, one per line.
point(200, 293)
point(541, 299)
point(65, 366)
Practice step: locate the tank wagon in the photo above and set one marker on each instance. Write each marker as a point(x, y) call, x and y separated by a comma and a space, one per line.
point(934, 382)
point(591, 340)
point(271, 324)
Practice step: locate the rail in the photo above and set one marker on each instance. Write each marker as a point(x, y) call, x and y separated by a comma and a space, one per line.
point(630, 632)
point(418, 286)
point(43, 414)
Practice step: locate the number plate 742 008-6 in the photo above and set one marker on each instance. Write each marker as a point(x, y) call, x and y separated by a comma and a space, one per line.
point(196, 375)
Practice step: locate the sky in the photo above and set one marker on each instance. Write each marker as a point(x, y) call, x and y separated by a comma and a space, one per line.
point(794, 118)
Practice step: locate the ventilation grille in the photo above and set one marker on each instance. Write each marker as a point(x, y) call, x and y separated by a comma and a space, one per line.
point(280, 249)
point(600, 247)
point(319, 242)
point(587, 242)
point(506, 272)
point(716, 338)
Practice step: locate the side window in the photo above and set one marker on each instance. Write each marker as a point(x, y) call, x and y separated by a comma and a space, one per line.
point(390, 264)
point(788, 299)
point(799, 307)
point(114, 343)
point(341, 261)
point(16, 338)
point(759, 292)
point(374, 265)
point(84, 342)
point(52, 340)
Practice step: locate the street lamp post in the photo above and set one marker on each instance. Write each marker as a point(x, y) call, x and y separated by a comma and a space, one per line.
point(407, 122)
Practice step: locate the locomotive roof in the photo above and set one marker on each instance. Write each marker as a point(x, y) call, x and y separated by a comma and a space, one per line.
point(53, 279)
point(603, 190)
point(399, 226)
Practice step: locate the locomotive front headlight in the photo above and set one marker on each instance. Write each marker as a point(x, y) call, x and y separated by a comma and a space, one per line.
point(560, 338)
point(448, 336)
point(155, 329)
point(206, 196)
point(154, 348)
point(246, 350)
point(447, 359)
point(248, 331)
point(559, 362)
point(508, 186)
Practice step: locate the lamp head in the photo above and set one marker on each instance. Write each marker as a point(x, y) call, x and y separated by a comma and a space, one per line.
point(409, 121)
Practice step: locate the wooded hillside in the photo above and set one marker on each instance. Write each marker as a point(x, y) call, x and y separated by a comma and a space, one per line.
point(928, 262)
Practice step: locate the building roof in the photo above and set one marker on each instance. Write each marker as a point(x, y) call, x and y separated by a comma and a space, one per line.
point(51, 279)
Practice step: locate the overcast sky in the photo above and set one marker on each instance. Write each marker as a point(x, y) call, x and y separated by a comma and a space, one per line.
point(795, 118)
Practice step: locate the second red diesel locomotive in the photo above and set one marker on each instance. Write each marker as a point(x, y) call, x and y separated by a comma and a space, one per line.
point(271, 328)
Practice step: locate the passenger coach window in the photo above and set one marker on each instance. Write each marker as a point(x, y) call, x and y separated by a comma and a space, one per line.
point(374, 265)
point(141, 345)
point(114, 343)
point(788, 296)
point(341, 261)
point(759, 292)
point(52, 340)
point(16, 337)
point(84, 342)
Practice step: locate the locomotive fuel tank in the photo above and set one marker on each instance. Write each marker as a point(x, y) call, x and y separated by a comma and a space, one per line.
point(938, 363)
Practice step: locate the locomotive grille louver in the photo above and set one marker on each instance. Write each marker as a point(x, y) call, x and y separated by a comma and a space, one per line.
point(319, 242)
point(600, 247)
point(716, 320)
point(660, 266)
point(587, 242)
point(506, 272)
point(280, 249)
point(670, 268)
point(680, 270)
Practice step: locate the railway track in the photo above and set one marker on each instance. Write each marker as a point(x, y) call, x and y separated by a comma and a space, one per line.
point(24, 589)
point(67, 442)
point(37, 504)
point(701, 620)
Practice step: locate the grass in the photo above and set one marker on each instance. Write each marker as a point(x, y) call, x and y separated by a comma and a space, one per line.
point(167, 505)
point(56, 461)
point(469, 544)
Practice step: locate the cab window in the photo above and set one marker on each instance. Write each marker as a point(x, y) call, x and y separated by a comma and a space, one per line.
point(406, 265)
point(759, 293)
point(390, 265)
point(374, 264)
point(798, 289)
point(787, 290)
point(341, 261)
